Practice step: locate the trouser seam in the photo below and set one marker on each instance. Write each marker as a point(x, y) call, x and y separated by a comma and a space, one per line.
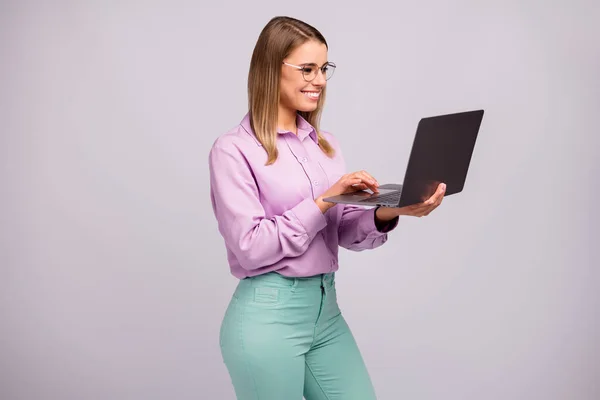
point(317, 381)
point(255, 387)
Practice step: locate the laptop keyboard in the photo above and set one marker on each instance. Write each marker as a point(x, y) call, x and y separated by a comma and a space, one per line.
point(388, 198)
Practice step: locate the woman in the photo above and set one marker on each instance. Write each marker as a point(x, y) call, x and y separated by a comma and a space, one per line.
point(283, 335)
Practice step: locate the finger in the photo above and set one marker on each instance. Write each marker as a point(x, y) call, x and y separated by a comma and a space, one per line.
point(442, 193)
point(426, 213)
point(431, 209)
point(353, 181)
point(436, 201)
point(441, 189)
point(354, 184)
point(435, 205)
point(370, 177)
point(436, 198)
point(426, 207)
point(439, 201)
point(360, 186)
point(369, 180)
point(432, 206)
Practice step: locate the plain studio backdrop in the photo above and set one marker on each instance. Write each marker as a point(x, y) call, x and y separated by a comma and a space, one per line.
point(113, 274)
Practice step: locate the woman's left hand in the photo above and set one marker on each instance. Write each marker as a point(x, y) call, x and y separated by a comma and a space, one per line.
point(415, 210)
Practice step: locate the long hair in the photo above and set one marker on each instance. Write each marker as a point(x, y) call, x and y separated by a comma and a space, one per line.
point(276, 41)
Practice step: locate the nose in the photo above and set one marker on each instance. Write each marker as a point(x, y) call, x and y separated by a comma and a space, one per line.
point(319, 79)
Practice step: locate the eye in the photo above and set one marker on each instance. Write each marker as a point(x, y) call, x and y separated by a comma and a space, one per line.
point(308, 69)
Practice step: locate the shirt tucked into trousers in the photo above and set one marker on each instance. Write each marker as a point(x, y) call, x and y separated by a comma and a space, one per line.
point(283, 335)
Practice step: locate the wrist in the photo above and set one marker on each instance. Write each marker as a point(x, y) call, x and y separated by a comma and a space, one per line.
point(323, 205)
point(386, 214)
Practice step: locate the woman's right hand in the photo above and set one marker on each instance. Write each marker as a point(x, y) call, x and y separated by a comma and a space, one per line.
point(352, 182)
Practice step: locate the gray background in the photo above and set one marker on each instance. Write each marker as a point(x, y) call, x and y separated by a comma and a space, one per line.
point(113, 275)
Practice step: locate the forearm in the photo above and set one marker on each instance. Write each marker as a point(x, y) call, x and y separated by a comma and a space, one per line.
point(258, 241)
point(386, 214)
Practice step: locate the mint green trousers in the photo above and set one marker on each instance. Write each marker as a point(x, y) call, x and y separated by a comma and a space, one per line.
point(285, 338)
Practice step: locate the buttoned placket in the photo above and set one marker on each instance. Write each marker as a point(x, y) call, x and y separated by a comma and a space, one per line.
point(298, 149)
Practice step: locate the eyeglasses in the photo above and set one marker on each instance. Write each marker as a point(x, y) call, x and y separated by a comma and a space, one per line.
point(310, 71)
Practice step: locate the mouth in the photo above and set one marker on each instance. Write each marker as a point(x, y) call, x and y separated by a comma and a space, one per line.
point(313, 95)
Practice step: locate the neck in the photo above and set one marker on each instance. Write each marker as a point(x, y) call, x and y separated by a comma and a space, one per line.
point(286, 119)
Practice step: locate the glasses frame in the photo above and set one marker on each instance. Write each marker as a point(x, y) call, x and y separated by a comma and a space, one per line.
point(302, 66)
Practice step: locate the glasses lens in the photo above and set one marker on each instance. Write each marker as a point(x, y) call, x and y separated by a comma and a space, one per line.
point(310, 72)
point(328, 70)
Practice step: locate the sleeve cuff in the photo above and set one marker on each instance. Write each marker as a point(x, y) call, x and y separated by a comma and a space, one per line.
point(384, 227)
point(310, 216)
point(366, 224)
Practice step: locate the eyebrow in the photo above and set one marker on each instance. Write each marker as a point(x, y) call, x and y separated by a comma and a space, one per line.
point(314, 63)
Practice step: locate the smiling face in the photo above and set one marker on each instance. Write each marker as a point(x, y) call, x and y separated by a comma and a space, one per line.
point(296, 94)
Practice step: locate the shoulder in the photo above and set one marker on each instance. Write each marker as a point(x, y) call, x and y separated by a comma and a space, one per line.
point(331, 138)
point(235, 140)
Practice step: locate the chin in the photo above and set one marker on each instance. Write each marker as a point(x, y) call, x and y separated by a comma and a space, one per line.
point(307, 107)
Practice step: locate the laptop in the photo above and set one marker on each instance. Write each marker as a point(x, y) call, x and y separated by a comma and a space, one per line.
point(441, 153)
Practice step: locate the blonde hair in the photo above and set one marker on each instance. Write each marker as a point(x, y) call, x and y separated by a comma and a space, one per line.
point(276, 41)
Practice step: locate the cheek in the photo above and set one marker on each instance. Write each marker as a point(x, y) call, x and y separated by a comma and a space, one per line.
point(291, 94)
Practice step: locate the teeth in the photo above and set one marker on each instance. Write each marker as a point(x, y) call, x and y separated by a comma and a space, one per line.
point(314, 95)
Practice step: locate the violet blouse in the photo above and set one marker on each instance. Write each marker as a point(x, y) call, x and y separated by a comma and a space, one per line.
point(267, 215)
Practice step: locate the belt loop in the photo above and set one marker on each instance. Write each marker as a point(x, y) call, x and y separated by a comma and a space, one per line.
point(328, 279)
